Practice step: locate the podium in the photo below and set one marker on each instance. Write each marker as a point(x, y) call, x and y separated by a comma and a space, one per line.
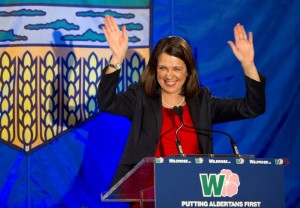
point(202, 181)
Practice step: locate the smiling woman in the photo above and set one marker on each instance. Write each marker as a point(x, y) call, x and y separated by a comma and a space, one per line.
point(172, 65)
point(170, 79)
point(171, 76)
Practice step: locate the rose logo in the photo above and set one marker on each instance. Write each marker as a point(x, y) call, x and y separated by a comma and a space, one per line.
point(231, 183)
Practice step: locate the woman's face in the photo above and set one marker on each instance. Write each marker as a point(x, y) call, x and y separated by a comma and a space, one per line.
point(171, 73)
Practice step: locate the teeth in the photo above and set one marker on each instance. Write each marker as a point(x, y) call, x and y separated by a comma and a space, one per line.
point(170, 82)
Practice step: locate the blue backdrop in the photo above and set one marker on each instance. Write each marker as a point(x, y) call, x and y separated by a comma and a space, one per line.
point(207, 25)
point(90, 153)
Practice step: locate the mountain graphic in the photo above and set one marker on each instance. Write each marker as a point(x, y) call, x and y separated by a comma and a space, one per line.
point(91, 35)
point(22, 12)
point(58, 24)
point(114, 14)
point(130, 26)
point(10, 36)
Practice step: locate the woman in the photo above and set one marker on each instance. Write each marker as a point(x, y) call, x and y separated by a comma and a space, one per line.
point(170, 79)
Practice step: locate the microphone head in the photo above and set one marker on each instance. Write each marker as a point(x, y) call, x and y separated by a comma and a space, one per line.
point(178, 111)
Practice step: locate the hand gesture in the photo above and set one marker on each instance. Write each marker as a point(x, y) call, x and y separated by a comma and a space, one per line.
point(243, 48)
point(117, 39)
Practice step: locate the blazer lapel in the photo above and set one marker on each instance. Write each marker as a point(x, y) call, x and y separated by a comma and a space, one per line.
point(194, 107)
point(156, 105)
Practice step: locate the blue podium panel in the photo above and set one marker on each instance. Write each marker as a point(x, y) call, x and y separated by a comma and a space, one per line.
point(219, 182)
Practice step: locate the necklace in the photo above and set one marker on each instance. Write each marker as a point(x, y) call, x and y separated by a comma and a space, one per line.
point(170, 106)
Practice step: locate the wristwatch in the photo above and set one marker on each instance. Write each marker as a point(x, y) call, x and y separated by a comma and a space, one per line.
point(115, 66)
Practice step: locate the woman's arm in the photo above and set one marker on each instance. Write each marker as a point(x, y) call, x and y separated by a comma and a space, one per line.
point(231, 109)
point(107, 98)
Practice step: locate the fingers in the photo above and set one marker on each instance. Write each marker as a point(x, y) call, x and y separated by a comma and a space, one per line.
point(107, 22)
point(240, 32)
point(110, 25)
point(113, 24)
point(250, 37)
point(124, 33)
point(232, 46)
point(236, 33)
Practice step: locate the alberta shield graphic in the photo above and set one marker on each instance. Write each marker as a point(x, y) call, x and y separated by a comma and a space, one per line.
point(51, 58)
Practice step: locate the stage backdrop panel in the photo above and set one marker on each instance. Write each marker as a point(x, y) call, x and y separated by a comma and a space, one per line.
point(51, 58)
point(208, 25)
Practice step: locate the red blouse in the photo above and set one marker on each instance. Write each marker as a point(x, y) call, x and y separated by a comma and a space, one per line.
point(187, 136)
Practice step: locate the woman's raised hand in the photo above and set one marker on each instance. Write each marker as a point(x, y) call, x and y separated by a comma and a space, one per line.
point(243, 49)
point(117, 39)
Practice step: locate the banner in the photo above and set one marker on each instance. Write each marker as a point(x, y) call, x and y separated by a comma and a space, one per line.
point(51, 57)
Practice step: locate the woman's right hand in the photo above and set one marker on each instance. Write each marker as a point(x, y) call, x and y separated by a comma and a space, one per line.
point(117, 39)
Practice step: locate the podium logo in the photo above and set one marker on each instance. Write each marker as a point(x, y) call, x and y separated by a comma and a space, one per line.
point(240, 161)
point(279, 161)
point(224, 184)
point(159, 160)
point(199, 160)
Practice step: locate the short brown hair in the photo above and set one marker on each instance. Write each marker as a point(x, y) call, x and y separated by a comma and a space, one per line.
point(173, 46)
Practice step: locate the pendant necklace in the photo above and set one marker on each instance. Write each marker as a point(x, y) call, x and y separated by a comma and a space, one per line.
point(170, 106)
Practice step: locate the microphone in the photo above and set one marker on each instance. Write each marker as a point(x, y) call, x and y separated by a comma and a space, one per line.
point(179, 146)
point(179, 111)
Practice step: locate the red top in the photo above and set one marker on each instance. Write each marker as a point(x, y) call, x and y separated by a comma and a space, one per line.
point(187, 136)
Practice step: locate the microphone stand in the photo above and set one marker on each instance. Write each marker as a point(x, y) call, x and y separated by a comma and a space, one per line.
point(179, 110)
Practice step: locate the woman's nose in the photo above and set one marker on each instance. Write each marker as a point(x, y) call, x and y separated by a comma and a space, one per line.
point(169, 74)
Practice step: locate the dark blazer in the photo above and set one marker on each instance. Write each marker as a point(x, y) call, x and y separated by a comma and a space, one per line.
point(145, 115)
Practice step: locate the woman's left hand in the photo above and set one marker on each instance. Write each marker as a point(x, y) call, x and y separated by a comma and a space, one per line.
point(117, 39)
point(243, 48)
